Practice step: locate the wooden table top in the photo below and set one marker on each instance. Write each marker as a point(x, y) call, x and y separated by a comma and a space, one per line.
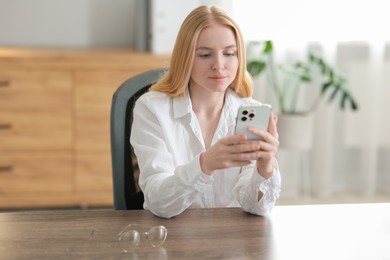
point(345, 231)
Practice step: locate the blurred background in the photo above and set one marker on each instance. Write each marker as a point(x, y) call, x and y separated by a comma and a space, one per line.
point(94, 45)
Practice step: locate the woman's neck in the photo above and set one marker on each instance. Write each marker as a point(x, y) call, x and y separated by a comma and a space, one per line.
point(210, 103)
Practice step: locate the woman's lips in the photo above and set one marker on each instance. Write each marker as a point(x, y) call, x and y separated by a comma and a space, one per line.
point(218, 78)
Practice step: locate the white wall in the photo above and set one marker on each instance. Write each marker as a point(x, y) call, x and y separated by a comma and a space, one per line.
point(66, 23)
point(95, 23)
point(166, 20)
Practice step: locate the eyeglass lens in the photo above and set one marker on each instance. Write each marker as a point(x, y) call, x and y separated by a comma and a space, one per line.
point(130, 236)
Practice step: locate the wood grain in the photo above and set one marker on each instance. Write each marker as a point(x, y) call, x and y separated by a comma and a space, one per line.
point(349, 231)
point(38, 107)
point(54, 123)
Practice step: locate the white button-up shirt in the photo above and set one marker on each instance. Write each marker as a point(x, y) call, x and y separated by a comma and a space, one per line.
point(167, 141)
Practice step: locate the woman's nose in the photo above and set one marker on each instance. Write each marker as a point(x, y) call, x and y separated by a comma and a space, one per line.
point(218, 63)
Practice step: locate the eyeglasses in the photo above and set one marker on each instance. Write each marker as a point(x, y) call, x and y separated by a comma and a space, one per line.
point(132, 234)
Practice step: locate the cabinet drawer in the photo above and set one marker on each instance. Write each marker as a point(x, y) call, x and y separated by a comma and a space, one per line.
point(35, 110)
point(35, 172)
point(32, 131)
point(93, 172)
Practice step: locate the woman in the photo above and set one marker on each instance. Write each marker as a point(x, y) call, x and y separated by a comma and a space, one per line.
point(183, 129)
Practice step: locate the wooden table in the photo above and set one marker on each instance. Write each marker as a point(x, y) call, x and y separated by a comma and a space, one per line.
point(349, 231)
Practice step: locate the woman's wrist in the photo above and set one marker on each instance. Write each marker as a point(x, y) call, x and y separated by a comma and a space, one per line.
point(266, 171)
point(203, 164)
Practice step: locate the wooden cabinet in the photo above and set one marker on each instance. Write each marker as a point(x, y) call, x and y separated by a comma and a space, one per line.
point(93, 94)
point(54, 123)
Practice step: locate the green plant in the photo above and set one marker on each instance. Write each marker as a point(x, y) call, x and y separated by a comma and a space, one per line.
point(289, 80)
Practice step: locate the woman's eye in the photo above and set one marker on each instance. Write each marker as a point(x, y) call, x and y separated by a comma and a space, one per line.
point(205, 55)
point(230, 54)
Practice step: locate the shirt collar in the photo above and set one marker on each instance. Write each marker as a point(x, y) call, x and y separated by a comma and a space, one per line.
point(229, 112)
point(182, 105)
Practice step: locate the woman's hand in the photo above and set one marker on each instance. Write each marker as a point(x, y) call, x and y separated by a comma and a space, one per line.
point(231, 151)
point(268, 147)
point(237, 151)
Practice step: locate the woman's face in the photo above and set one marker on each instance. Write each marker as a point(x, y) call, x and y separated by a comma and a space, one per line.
point(216, 61)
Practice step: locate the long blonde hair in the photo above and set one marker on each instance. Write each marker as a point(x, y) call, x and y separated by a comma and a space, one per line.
point(174, 82)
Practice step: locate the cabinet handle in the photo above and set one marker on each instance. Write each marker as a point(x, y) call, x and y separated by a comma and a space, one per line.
point(5, 126)
point(5, 168)
point(4, 83)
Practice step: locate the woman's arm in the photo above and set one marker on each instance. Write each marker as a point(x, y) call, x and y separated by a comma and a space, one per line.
point(256, 194)
point(258, 188)
point(168, 189)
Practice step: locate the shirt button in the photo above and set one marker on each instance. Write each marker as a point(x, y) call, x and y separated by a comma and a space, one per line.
point(197, 186)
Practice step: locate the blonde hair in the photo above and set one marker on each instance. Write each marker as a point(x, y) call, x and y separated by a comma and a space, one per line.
point(174, 82)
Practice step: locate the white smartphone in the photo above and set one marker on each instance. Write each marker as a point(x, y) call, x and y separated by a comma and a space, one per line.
point(256, 116)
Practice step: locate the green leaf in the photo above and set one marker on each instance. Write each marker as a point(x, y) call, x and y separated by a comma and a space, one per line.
point(331, 75)
point(300, 65)
point(354, 105)
point(347, 97)
point(334, 93)
point(325, 86)
point(306, 78)
point(255, 68)
point(268, 47)
point(343, 100)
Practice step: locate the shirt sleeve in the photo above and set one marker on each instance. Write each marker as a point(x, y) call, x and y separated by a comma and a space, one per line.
point(168, 190)
point(250, 183)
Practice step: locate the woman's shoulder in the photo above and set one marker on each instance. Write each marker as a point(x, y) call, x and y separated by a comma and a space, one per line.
point(154, 98)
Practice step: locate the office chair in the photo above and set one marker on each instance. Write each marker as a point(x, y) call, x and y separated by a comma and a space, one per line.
point(125, 171)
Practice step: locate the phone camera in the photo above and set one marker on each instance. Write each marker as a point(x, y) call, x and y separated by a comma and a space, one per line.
point(251, 115)
point(244, 118)
point(245, 112)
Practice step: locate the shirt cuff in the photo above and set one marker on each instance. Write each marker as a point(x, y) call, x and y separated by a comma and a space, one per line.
point(198, 180)
point(269, 183)
point(270, 189)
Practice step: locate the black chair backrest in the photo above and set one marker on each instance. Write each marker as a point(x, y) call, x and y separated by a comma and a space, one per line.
point(125, 172)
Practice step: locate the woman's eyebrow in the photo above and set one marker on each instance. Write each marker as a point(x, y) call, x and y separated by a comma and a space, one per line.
point(208, 48)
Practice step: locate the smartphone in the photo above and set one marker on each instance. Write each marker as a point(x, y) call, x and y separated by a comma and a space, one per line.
point(256, 116)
